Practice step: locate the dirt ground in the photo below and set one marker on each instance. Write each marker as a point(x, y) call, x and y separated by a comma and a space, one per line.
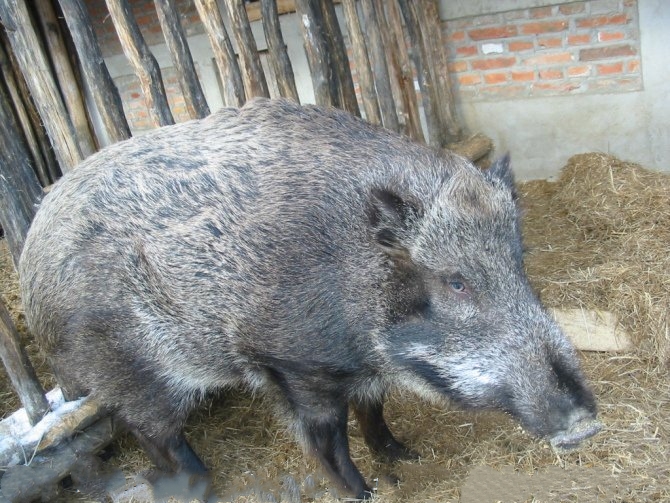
point(464, 456)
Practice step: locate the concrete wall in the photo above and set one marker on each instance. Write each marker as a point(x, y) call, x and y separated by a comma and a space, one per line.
point(543, 132)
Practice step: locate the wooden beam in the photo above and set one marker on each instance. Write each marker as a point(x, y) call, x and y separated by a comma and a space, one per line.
point(400, 59)
point(72, 96)
point(14, 98)
point(318, 54)
point(277, 50)
point(250, 63)
point(377, 55)
point(23, 484)
point(437, 64)
point(146, 68)
point(196, 104)
point(20, 370)
point(229, 71)
point(420, 57)
point(341, 70)
point(103, 90)
point(20, 190)
point(361, 63)
point(37, 72)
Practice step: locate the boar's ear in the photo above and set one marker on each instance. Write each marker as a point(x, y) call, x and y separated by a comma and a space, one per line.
point(390, 217)
point(501, 171)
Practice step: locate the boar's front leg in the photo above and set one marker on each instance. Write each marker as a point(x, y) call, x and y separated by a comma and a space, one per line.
point(378, 437)
point(321, 414)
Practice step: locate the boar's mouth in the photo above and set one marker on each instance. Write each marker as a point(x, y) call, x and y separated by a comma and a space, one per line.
point(571, 438)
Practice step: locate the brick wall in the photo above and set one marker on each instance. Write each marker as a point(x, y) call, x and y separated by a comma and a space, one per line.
point(581, 47)
point(146, 17)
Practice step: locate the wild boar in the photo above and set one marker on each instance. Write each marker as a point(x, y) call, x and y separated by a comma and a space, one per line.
point(301, 252)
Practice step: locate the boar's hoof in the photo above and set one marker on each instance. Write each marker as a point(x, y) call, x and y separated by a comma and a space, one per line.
point(570, 439)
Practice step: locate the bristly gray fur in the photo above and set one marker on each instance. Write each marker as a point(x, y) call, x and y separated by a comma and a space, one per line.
point(301, 252)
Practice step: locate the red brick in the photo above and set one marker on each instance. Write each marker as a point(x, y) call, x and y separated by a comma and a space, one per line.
point(493, 33)
point(551, 74)
point(492, 63)
point(580, 39)
point(610, 69)
point(523, 76)
point(613, 51)
point(495, 78)
point(549, 59)
point(466, 50)
point(555, 87)
point(609, 36)
point(456, 36)
point(571, 8)
point(550, 42)
point(469, 79)
point(543, 27)
point(593, 22)
point(579, 71)
point(457, 66)
point(520, 46)
point(633, 66)
point(540, 12)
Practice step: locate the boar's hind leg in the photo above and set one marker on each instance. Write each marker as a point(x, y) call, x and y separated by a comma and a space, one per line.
point(378, 437)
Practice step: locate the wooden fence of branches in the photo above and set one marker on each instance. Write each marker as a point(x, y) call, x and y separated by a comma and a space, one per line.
point(54, 81)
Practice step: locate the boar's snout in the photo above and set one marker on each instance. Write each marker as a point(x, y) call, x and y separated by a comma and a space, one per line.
point(582, 424)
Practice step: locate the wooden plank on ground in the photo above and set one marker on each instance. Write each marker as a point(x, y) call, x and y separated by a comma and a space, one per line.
point(593, 330)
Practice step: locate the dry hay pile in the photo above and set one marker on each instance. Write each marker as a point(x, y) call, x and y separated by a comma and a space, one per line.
point(600, 238)
point(595, 239)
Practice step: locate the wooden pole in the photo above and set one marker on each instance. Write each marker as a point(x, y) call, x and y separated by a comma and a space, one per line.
point(339, 59)
point(20, 190)
point(377, 54)
point(277, 50)
point(35, 68)
point(146, 68)
point(393, 66)
point(362, 63)
point(252, 71)
point(317, 50)
point(20, 370)
point(399, 50)
point(14, 96)
point(436, 137)
point(226, 61)
point(196, 104)
point(435, 49)
point(103, 90)
point(64, 74)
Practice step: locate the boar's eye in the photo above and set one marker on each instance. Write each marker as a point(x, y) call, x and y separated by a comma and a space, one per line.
point(457, 285)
